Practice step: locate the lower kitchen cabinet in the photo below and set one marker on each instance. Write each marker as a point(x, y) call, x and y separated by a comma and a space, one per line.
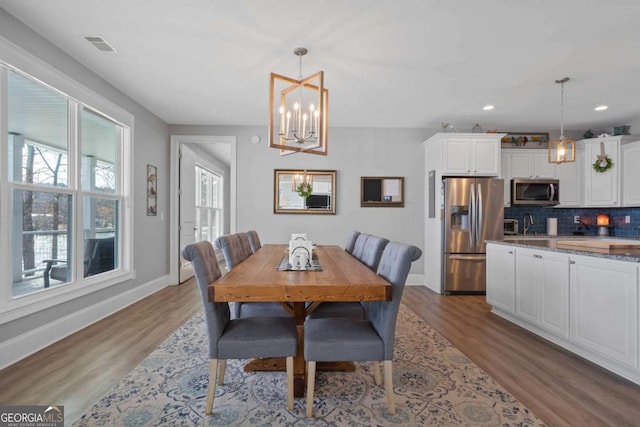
point(542, 289)
point(586, 304)
point(604, 308)
point(500, 277)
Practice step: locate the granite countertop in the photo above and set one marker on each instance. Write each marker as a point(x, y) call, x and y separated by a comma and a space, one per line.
point(548, 243)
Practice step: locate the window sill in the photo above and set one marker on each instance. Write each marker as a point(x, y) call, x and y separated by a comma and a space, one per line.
point(22, 306)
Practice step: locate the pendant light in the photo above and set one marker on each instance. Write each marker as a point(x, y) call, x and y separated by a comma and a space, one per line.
point(562, 150)
point(298, 112)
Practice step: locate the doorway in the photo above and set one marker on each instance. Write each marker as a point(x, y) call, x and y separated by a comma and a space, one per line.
point(220, 150)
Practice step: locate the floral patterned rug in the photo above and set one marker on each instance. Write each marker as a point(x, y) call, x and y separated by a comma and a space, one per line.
point(434, 384)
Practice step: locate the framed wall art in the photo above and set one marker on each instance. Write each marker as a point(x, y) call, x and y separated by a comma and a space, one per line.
point(152, 190)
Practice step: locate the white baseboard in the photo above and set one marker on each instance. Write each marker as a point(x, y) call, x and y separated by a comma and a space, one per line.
point(17, 348)
point(415, 280)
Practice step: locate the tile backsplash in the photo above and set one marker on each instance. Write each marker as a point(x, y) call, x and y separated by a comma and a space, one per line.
point(617, 226)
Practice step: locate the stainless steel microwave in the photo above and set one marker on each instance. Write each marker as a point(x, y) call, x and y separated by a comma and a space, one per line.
point(541, 192)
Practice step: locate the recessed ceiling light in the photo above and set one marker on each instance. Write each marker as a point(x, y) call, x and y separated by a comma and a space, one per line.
point(601, 107)
point(488, 107)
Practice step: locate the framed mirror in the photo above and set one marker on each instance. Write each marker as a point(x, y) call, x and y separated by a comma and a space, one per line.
point(382, 191)
point(304, 191)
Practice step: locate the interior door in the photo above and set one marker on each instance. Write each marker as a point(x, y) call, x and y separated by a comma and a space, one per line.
point(187, 198)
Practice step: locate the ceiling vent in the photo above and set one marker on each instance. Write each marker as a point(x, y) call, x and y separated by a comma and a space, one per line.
point(101, 44)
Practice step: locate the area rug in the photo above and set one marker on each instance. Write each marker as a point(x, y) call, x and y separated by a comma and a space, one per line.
point(434, 384)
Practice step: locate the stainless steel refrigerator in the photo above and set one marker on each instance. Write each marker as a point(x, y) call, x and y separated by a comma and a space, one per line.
point(473, 213)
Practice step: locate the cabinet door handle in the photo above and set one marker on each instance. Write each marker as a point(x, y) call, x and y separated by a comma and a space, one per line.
point(571, 261)
point(537, 256)
point(510, 252)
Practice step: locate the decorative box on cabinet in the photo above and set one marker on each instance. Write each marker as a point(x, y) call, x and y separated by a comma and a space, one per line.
point(468, 154)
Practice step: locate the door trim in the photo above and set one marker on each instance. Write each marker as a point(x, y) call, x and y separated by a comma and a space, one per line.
point(176, 141)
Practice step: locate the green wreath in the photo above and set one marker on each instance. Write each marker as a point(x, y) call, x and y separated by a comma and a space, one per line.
point(304, 189)
point(602, 165)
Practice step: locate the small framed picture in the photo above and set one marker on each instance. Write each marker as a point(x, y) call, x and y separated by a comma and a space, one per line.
point(152, 190)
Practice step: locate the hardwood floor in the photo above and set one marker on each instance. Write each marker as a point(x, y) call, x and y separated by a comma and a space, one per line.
point(560, 388)
point(78, 370)
point(557, 386)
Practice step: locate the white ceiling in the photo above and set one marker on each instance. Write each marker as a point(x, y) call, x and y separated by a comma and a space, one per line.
point(406, 63)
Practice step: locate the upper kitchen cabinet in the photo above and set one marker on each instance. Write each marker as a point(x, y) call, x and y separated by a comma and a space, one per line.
point(534, 164)
point(570, 178)
point(631, 174)
point(466, 154)
point(603, 188)
point(531, 164)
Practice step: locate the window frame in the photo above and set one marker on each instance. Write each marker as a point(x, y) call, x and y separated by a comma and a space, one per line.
point(209, 208)
point(13, 58)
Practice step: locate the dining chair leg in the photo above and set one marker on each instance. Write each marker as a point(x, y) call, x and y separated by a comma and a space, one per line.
point(223, 368)
point(211, 388)
point(311, 382)
point(290, 383)
point(388, 386)
point(376, 372)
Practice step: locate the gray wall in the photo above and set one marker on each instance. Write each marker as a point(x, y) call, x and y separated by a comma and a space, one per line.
point(150, 146)
point(353, 153)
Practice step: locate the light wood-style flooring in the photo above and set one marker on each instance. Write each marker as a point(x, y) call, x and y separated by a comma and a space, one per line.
point(560, 388)
point(557, 386)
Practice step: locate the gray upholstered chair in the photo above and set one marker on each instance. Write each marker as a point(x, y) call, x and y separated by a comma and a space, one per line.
point(339, 339)
point(358, 248)
point(238, 338)
point(244, 242)
point(351, 241)
point(372, 251)
point(231, 247)
point(254, 240)
point(234, 253)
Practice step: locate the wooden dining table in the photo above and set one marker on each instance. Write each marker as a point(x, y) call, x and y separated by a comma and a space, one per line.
point(257, 279)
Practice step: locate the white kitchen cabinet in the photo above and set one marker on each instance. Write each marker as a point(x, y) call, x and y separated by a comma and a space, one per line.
point(501, 277)
point(527, 283)
point(468, 154)
point(554, 294)
point(586, 304)
point(531, 164)
point(505, 174)
point(604, 189)
point(631, 174)
point(525, 163)
point(570, 182)
point(604, 308)
point(601, 188)
point(542, 289)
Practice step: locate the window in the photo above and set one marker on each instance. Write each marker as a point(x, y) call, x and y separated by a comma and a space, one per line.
point(65, 166)
point(208, 204)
